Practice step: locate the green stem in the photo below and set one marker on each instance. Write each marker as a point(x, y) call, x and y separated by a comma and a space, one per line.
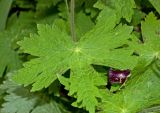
point(72, 20)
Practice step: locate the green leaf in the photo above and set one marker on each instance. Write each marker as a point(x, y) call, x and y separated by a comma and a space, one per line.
point(56, 48)
point(63, 10)
point(17, 28)
point(82, 21)
point(153, 109)
point(151, 29)
point(21, 100)
point(50, 107)
point(156, 4)
point(123, 8)
point(18, 99)
point(141, 91)
point(20, 26)
point(150, 49)
point(9, 58)
point(100, 4)
point(18, 104)
point(5, 8)
point(137, 17)
point(25, 20)
point(26, 4)
point(42, 4)
point(46, 11)
point(85, 86)
point(56, 53)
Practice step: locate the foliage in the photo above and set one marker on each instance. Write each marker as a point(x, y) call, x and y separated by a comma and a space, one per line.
point(156, 4)
point(5, 7)
point(141, 91)
point(9, 58)
point(20, 100)
point(42, 70)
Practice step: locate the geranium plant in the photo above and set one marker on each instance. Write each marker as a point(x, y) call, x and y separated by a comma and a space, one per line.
point(79, 56)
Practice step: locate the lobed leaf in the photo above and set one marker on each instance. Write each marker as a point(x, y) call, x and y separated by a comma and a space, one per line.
point(140, 92)
point(56, 53)
point(150, 49)
point(123, 8)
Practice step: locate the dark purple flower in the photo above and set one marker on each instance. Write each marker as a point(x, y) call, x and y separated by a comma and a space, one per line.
point(118, 76)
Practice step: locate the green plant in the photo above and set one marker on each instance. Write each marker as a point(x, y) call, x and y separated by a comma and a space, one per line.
point(66, 60)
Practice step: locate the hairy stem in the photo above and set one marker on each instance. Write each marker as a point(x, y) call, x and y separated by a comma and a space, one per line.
point(72, 21)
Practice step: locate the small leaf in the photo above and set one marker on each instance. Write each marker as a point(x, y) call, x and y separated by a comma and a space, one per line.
point(123, 8)
point(156, 4)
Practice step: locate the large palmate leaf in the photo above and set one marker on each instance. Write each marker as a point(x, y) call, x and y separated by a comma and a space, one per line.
point(105, 45)
point(140, 92)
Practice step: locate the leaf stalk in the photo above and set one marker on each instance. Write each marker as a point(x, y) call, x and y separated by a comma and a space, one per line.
point(72, 20)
